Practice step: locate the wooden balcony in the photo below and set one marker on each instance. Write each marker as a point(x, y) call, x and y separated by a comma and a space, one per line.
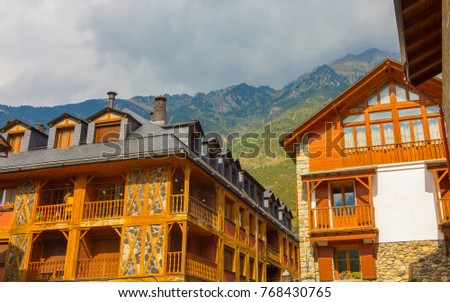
point(336, 218)
point(261, 246)
point(444, 210)
point(195, 266)
point(46, 270)
point(53, 213)
point(194, 208)
point(103, 209)
point(173, 266)
point(273, 253)
point(394, 153)
point(97, 268)
point(201, 268)
point(242, 235)
point(229, 228)
point(229, 276)
point(252, 241)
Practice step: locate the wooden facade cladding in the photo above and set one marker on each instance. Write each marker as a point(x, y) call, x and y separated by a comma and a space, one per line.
point(378, 120)
point(166, 219)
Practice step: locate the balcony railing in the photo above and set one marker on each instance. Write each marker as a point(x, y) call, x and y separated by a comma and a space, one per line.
point(96, 268)
point(345, 217)
point(229, 276)
point(196, 209)
point(103, 209)
point(201, 268)
point(273, 253)
point(394, 153)
point(173, 266)
point(444, 208)
point(53, 213)
point(46, 270)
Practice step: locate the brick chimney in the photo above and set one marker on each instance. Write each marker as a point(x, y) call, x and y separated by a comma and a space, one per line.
point(159, 115)
point(111, 97)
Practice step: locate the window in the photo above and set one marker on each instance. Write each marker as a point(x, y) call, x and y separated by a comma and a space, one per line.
point(229, 210)
point(241, 218)
point(382, 134)
point(400, 92)
point(8, 196)
point(343, 195)
point(242, 270)
point(355, 134)
point(15, 141)
point(111, 191)
point(375, 116)
point(252, 269)
point(64, 137)
point(409, 112)
point(432, 110)
point(228, 259)
point(380, 96)
point(412, 131)
point(252, 222)
point(353, 118)
point(346, 259)
point(55, 195)
point(106, 132)
point(433, 126)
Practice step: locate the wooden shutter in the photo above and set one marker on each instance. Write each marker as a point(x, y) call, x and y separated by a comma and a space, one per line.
point(325, 259)
point(107, 132)
point(367, 255)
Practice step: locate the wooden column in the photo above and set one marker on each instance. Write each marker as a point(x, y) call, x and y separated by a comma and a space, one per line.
point(446, 63)
point(70, 267)
point(184, 248)
point(187, 176)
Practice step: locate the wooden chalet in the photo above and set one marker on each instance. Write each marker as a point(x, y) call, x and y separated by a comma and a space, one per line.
point(369, 163)
point(118, 197)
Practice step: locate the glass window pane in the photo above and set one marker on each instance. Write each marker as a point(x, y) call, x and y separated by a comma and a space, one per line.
point(409, 112)
point(354, 265)
point(388, 134)
point(384, 94)
point(400, 92)
point(373, 99)
point(341, 254)
point(342, 265)
point(432, 109)
point(361, 136)
point(418, 130)
point(380, 115)
point(413, 96)
point(433, 125)
point(353, 118)
point(348, 137)
point(405, 132)
point(376, 135)
point(349, 196)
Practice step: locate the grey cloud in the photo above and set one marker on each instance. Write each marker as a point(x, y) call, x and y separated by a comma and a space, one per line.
point(152, 47)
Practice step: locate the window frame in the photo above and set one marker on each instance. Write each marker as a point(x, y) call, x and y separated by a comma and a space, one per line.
point(13, 137)
point(115, 135)
point(69, 131)
point(347, 250)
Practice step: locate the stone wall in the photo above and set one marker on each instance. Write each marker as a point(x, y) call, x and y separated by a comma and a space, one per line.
point(308, 267)
point(413, 261)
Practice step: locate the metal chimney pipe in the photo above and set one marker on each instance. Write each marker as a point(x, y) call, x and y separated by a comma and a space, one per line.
point(111, 97)
point(159, 115)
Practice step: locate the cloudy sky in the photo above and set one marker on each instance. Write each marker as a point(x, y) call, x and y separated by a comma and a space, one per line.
point(55, 52)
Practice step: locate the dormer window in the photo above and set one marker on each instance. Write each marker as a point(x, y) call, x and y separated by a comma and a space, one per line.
point(64, 137)
point(15, 141)
point(106, 132)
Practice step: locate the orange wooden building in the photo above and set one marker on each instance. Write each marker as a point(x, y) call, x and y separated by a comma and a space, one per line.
point(118, 197)
point(373, 189)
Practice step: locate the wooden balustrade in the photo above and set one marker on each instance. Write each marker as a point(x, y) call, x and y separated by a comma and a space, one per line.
point(444, 210)
point(103, 209)
point(177, 204)
point(202, 213)
point(201, 268)
point(252, 241)
point(394, 153)
point(273, 253)
point(173, 265)
point(46, 270)
point(242, 235)
point(53, 213)
point(107, 267)
point(229, 228)
point(229, 276)
point(345, 217)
